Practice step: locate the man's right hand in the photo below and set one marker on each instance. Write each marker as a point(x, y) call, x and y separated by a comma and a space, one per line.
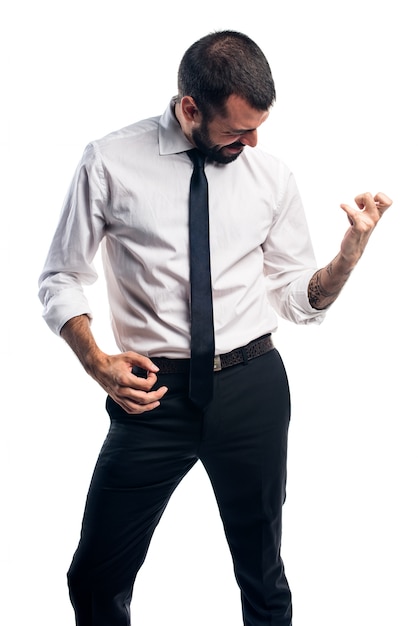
point(131, 392)
point(114, 373)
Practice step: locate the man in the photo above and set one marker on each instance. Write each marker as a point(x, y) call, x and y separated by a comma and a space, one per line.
point(131, 191)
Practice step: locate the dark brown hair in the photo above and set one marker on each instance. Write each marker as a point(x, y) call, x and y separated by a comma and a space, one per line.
point(225, 63)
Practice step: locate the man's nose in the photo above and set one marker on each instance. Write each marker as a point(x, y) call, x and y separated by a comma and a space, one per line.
point(249, 138)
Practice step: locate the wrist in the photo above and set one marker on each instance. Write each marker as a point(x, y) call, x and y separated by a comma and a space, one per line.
point(76, 332)
point(94, 361)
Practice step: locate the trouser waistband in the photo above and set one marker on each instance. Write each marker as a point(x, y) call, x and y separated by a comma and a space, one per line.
point(244, 354)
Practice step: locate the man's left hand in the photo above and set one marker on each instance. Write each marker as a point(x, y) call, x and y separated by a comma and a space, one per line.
point(363, 221)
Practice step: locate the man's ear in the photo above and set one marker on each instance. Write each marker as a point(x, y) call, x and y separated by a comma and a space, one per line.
point(189, 109)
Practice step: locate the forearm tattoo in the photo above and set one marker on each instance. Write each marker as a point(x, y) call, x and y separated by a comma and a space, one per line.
point(316, 292)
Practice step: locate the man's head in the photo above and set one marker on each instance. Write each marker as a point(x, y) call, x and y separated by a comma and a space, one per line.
point(225, 90)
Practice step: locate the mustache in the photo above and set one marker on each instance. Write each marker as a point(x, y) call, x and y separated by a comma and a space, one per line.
point(236, 144)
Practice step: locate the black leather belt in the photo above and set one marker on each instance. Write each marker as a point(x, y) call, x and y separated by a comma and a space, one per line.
point(252, 350)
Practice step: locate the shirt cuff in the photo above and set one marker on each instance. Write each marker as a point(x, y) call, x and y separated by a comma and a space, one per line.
point(299, 302)
point(63, 306)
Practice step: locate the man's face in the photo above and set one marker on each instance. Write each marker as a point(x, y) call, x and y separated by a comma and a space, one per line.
point(224, 137)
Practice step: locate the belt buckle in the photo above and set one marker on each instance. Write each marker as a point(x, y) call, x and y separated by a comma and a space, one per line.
point(217, 365)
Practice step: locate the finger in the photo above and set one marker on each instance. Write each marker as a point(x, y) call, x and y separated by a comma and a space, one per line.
point(382, 201)
point(137, 409)
point(149, 401)
point(153, 396)
point(143, 381)
point(140, 402)
point(365, 201)
point(146, 408)
point(351, 212)
point(142, 361)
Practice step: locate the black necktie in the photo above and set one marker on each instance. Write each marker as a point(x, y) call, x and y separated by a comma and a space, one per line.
point(202, 334)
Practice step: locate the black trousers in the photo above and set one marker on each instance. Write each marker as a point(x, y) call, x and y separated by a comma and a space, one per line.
point(241, 439)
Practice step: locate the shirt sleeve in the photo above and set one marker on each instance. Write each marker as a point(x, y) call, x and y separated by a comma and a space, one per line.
point(69, 264)
point(289, 259)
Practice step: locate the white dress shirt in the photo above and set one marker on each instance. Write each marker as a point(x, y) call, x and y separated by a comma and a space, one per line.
point(130, 192)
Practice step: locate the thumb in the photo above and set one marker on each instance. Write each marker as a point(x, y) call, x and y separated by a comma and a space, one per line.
point(142, 361)
point(350, 212)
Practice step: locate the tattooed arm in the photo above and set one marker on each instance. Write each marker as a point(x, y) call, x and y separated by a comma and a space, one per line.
point(327, 283)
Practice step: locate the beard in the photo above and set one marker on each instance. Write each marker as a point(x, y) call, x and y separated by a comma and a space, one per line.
point(214, 152)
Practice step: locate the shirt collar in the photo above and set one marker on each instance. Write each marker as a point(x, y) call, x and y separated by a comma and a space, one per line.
point(172, 140)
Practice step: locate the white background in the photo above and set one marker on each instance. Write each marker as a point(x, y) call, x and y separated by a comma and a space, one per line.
point(345, 122)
